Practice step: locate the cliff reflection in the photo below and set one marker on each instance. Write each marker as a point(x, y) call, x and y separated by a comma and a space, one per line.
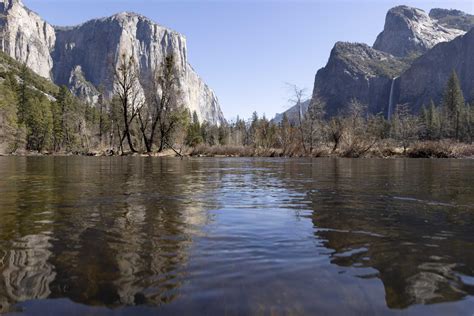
point(118, 233)
point(417, 245)
point(236, 236)
point(25, 271)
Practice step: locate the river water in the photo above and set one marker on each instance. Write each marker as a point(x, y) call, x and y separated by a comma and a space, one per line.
point(235, 236)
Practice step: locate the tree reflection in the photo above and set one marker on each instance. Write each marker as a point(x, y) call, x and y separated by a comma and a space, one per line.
point(25, 234)
point(129, 245)
point(113, 233)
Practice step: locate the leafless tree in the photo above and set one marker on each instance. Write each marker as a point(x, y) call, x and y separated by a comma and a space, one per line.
point(127, 90)
point(297, 98)
point(359, 134)
point(313, 122)
point(335, 131)
point(160, 114)
point(405, 126)
point(285, 134)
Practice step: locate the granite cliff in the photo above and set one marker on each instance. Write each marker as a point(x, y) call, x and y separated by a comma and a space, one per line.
point(83, 57)
point(357, 71)
point(426, 78)
point(409, 63)
point(411, 31)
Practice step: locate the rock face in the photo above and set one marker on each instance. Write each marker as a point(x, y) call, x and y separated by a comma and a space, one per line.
point(427, 76)
point(386, 75)
point(357, 71)
point(26, 37)
point(84, 57)
point(410, 31)
point(453, 19)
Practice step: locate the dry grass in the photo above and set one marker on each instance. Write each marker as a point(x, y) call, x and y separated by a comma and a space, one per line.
point(384, 149)
point(388, 149)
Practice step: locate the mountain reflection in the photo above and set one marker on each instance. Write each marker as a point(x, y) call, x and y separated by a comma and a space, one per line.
point(119, 233)
point(236, 236)
point(417, 246)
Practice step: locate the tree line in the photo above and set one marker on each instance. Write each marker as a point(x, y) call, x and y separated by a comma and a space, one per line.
point(146, 113)
point(351, 133)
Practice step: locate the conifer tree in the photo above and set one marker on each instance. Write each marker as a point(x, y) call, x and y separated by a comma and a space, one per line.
point(453, 102)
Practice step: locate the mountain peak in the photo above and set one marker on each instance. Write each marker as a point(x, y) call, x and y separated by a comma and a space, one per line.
point(412, 31)
point(406, 11)
point(453, 18)
point(127, 15)
point(439, 13)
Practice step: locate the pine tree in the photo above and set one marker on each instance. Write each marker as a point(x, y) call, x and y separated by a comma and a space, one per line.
point(23, 94)
point(453, 102)
point(467, 123)
point(39, 122)
point(194, 136)
point(62, 111)
point(430, 118)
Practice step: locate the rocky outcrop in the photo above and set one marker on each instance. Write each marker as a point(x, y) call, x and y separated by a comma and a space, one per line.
point(82, 88)
point(453, 19)
point(357, 71)
point(427, 76)
point(410, 31)
point(84, 57)
point(25, 36)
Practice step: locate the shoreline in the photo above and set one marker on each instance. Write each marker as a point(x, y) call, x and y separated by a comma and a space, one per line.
point(433, 150)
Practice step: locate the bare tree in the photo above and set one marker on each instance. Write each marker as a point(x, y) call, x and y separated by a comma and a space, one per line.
point(285, 134)
point(335, 131)
point(160, 114)
point(313, 122)
point(127, 90)
point(359, 130)
point(405, 126)
point(296, 98)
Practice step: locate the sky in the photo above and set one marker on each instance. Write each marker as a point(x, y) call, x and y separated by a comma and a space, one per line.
point(248, 51)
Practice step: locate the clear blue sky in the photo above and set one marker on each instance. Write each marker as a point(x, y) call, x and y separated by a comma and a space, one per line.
point(246, 50)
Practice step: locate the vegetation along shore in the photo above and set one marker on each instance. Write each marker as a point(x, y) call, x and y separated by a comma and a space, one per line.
point(150, 123)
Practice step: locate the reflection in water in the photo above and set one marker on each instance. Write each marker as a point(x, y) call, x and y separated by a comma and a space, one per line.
point(25, 270)
point(418, 246)
point(236, 236)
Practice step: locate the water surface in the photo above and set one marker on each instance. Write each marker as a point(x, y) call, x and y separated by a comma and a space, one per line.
point(145, 236)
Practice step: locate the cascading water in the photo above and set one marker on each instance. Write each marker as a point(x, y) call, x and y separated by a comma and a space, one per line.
point(390, 100)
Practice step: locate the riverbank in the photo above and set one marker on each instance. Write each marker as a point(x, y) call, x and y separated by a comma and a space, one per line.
point(432, 149)
point(92, 153)
point(427, 149)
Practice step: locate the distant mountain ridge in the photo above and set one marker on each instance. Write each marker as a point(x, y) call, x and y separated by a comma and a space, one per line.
point(83, 57)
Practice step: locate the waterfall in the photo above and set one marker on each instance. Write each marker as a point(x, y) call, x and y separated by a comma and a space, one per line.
point(390, 100)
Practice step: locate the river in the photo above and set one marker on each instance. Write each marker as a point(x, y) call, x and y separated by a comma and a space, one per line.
point(236, 236)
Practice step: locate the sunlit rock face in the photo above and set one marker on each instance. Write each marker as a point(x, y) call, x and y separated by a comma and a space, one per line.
point(26, 37)
point(453, 18)
point(84, 57)
point(410, 31)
